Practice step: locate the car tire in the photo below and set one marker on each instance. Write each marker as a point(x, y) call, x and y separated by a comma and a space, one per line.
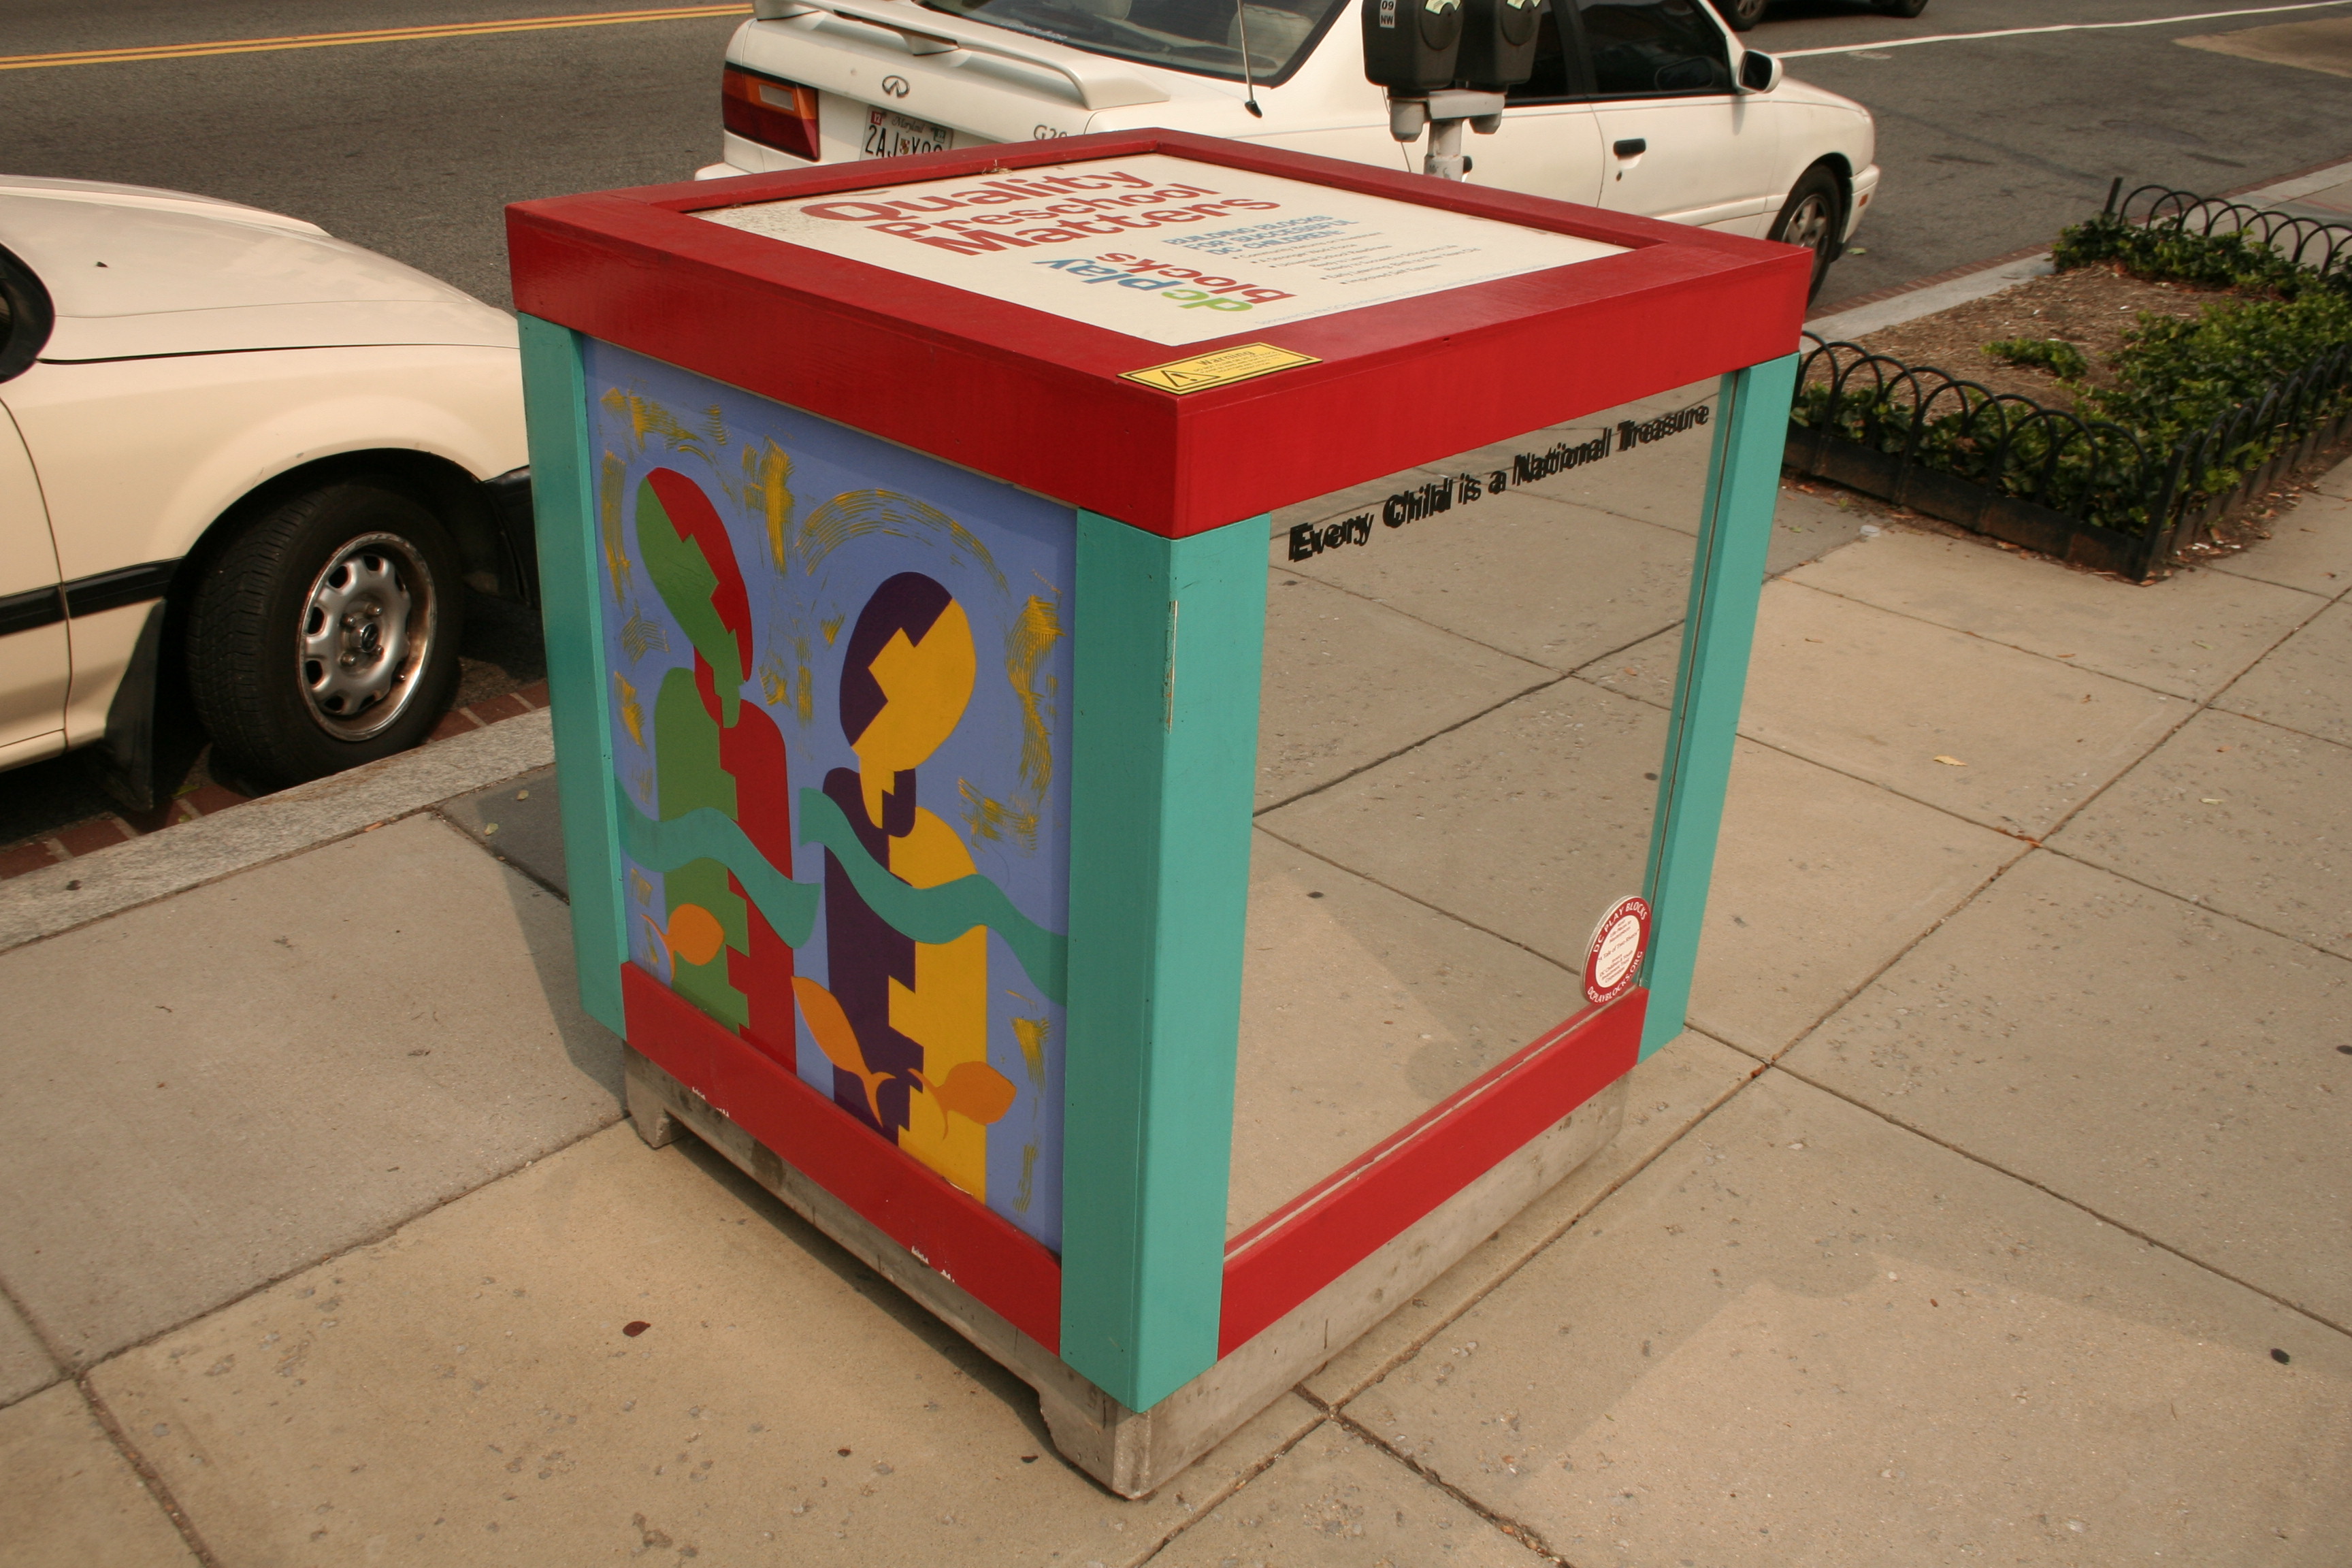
point(1741, 15)
point(324, 635)
point(1814, 217)
point(1898, 7)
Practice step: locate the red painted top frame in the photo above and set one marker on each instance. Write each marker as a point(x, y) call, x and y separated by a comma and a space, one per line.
point(1039, 400)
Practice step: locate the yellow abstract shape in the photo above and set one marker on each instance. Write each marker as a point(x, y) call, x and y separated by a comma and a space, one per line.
point(1027, 643)
point(925, 687)
point(695, 935)
point(640, 890)
point(768, 474)
point(1033, 1034)
point(853, 514)
point(829, 1026)
point(945, 1011)
point(714, 423)
point(805, 696)
point(648, 419)
point(610, 479)
point(633, 713)
point(831, 628)
point(992, 819)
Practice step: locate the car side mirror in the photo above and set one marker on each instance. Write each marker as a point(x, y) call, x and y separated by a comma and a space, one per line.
point(1758, 73)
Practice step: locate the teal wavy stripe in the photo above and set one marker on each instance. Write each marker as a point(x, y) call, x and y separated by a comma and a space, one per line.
point(706, 834)
point(938, 914)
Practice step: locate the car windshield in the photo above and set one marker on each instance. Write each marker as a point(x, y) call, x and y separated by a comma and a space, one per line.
point(1203, 36)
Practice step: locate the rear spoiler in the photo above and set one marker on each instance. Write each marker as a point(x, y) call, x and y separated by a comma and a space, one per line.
point(1097, 82)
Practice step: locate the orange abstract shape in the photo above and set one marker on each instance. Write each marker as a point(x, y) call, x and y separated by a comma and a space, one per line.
point(694, 935)
point(974, 1089)
point(830, 1026)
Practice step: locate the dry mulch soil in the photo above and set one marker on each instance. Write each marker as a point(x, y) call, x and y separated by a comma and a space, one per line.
point(2091, 307)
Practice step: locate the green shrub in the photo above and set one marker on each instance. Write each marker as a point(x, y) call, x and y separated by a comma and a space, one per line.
point(2056, 355)
point(2174, 379)
point(2166, 254)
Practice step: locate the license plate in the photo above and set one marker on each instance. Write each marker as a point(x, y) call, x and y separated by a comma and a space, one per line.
point(893, 135)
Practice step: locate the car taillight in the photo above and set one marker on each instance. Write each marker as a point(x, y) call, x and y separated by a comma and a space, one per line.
point(773, 112)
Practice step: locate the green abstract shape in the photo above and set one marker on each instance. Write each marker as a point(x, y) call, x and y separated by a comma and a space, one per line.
point(685, 582)
point(932, 915)
point(688, 774)
point(938, 914)
point(706, 836)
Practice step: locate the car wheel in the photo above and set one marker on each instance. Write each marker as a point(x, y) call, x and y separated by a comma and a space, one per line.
point(1811, 217)
point(1742, 13)
point(324, 635)
point(1898, 7)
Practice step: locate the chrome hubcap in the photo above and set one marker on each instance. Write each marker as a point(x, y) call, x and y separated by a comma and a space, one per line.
point(365, 633)
point(1809, 225)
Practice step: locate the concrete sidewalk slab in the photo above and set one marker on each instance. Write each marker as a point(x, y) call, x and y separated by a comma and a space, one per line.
point(70, 1499)
point(1527, 822)
point(25, 1363)
point(520, 821)
point(1349, 682)
point(2165, 1066)
point(1881, 696)
point(1681, 1082)
point(2310, 547)
point(207, 1092)
point(2240, 816)
point(2191, 637)
point(1821, 881)
point(1360, 1010)
point(1807, 1336)
point(1540, 580)
point(467, 1392)
point(1336, 1501)
point(89, 886)
point(2302, 684)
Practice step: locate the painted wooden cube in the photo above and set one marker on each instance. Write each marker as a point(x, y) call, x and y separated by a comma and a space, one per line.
point(943, 787)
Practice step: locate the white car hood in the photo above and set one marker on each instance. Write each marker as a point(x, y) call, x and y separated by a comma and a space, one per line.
point(135, 272)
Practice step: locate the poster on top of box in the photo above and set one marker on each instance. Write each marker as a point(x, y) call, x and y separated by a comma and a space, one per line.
point(1168, 249)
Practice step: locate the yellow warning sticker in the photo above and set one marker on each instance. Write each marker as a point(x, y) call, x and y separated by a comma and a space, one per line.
point(1221, 368)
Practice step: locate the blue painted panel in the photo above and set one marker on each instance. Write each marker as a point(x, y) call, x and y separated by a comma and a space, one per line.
point(840, 667)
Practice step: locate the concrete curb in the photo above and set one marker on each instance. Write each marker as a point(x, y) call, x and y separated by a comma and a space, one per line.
point(91, 886)
point(1927, 301)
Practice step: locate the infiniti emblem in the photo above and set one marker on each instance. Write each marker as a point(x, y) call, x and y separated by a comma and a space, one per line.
point(896, 86)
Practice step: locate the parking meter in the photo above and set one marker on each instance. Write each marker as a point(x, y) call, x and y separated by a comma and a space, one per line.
point(1410, 46)
point(1498, 42)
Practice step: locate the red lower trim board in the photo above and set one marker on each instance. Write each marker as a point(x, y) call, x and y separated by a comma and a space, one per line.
point(943, 1227)
point(1285, 1257)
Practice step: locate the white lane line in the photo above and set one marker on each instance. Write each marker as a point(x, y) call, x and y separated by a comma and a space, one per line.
point(2058, 27)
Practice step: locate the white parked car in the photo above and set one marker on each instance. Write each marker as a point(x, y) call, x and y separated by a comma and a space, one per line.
point(246, 470)
point(1645, 106)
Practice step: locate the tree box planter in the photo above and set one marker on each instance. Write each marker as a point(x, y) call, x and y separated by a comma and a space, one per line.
point(1074, 777)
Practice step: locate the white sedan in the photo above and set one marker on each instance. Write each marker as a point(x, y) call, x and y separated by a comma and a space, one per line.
point(1644, 106)
point(247, 471)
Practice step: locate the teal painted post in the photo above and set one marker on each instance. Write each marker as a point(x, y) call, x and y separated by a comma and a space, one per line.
point(1169, 638)
point(1735, 526)
point(563, 500)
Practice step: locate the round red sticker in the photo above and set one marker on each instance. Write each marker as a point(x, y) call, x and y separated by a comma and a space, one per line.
point(1613, 959)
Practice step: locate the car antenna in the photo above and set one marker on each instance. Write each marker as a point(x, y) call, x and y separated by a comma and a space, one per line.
point(1249, 87)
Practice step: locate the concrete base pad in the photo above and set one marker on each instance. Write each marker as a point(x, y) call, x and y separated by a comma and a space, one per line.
point(1134, 1452)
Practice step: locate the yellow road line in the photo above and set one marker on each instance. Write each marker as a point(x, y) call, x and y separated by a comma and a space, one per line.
point(371, 35)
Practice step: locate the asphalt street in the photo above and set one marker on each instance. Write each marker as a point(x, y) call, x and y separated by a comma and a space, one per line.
point(413, 147)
